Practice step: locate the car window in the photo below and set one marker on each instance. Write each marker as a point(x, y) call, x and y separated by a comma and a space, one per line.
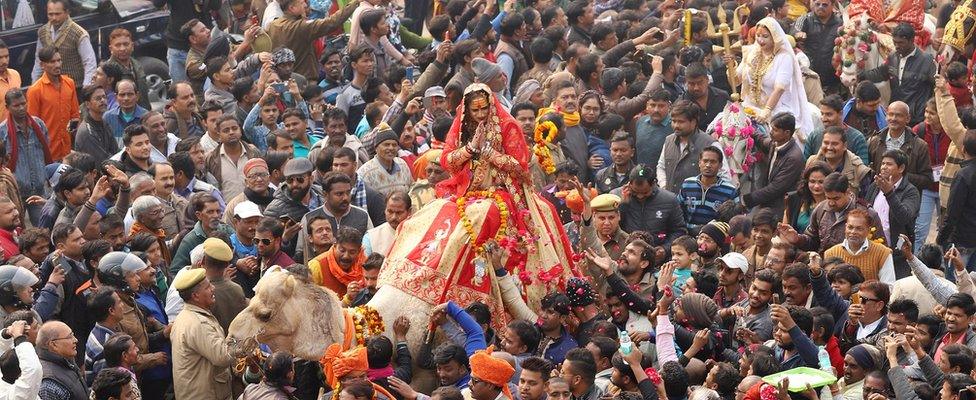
point(126, 8)
point(24, 13)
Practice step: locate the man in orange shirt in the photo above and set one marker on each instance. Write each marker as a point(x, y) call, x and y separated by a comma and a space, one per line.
point(9, 78)
point(54, 100)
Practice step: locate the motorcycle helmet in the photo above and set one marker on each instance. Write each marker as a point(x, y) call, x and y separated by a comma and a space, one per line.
point(13, 278)
point(113, 267)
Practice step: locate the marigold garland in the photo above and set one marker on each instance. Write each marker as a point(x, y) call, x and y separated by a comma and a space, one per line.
point(368, 322)
point(466, 223)
point(541, 147)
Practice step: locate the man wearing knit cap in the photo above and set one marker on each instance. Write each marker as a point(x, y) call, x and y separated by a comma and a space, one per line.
point(200, 354)
point(257, 188)
point(490, 376)
point(865, 358)
point(713, 241)
point(491, 74)
point(386, 173)
point(283, 62)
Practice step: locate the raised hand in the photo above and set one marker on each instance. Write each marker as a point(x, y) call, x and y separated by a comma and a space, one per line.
point(787, 233)
point(605, 263)
point(400, 328)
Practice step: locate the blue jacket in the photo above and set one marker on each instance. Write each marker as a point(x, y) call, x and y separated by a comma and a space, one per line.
point(153, 307)
point(474, 337)
point(825, 296)
point(879, 115)
point(806, 352)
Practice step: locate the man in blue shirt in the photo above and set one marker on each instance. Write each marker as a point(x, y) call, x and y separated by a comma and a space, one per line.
point(128, 112)
point(451, 359)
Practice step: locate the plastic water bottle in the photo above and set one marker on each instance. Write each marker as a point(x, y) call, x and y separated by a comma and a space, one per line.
point(824, 358)
point(626, 346)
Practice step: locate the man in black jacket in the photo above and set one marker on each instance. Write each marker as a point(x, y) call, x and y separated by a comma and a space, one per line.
point(910, 71)
point(899, 135)
point(581, 18)
point(649, 208)
point(56, 348)
point(74, 310)
point(896, 201)
point(785, 166)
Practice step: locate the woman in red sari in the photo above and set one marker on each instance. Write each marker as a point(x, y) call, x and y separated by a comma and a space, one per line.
point(440, 252)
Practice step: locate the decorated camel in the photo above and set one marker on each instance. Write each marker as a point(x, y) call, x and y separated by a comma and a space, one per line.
point(487, 219)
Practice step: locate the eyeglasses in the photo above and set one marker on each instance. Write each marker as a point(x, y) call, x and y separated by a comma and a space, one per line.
point(63, 338)
point(258, 175)
point(266, 242)
point(866, 299)
point(300, 179)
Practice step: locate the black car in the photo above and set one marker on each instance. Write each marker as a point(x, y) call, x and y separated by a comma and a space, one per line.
point(99, 18)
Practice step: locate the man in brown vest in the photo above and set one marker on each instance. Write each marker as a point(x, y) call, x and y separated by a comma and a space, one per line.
point(508, 52)
point(72, 42)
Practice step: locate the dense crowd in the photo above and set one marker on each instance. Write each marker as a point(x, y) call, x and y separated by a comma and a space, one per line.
point(651, 200)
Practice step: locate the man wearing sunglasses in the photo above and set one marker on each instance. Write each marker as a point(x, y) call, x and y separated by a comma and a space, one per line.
point(296, 196)
point(867, 316)
point(267, 239)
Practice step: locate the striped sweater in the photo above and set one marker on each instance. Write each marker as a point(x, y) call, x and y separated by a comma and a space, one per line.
point(700, 205)
point(953, 127)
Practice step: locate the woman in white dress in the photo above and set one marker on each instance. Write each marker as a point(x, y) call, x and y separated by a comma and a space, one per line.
point(771, 77)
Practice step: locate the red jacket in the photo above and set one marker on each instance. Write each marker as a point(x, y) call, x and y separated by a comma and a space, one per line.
point(938, 143)
point(8, 245)
point(836, 357)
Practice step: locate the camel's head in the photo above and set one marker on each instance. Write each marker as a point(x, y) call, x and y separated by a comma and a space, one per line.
point(288, 314)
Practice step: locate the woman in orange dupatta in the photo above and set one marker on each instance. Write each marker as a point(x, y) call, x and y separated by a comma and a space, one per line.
point(442, 252)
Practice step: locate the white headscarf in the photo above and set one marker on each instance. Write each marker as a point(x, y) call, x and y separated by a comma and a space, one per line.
point(796, 92)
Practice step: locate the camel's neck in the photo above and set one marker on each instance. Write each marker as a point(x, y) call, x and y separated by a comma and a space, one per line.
point(327, 324)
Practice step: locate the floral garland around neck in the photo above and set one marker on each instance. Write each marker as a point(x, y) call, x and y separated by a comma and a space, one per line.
point(541, 147)
point(462, 202)
point(368, 323)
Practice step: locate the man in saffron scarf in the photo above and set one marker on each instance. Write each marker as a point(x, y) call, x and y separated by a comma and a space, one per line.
point(490, 376)
point(148, 212)
point(343, 368)
point(342, 266)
